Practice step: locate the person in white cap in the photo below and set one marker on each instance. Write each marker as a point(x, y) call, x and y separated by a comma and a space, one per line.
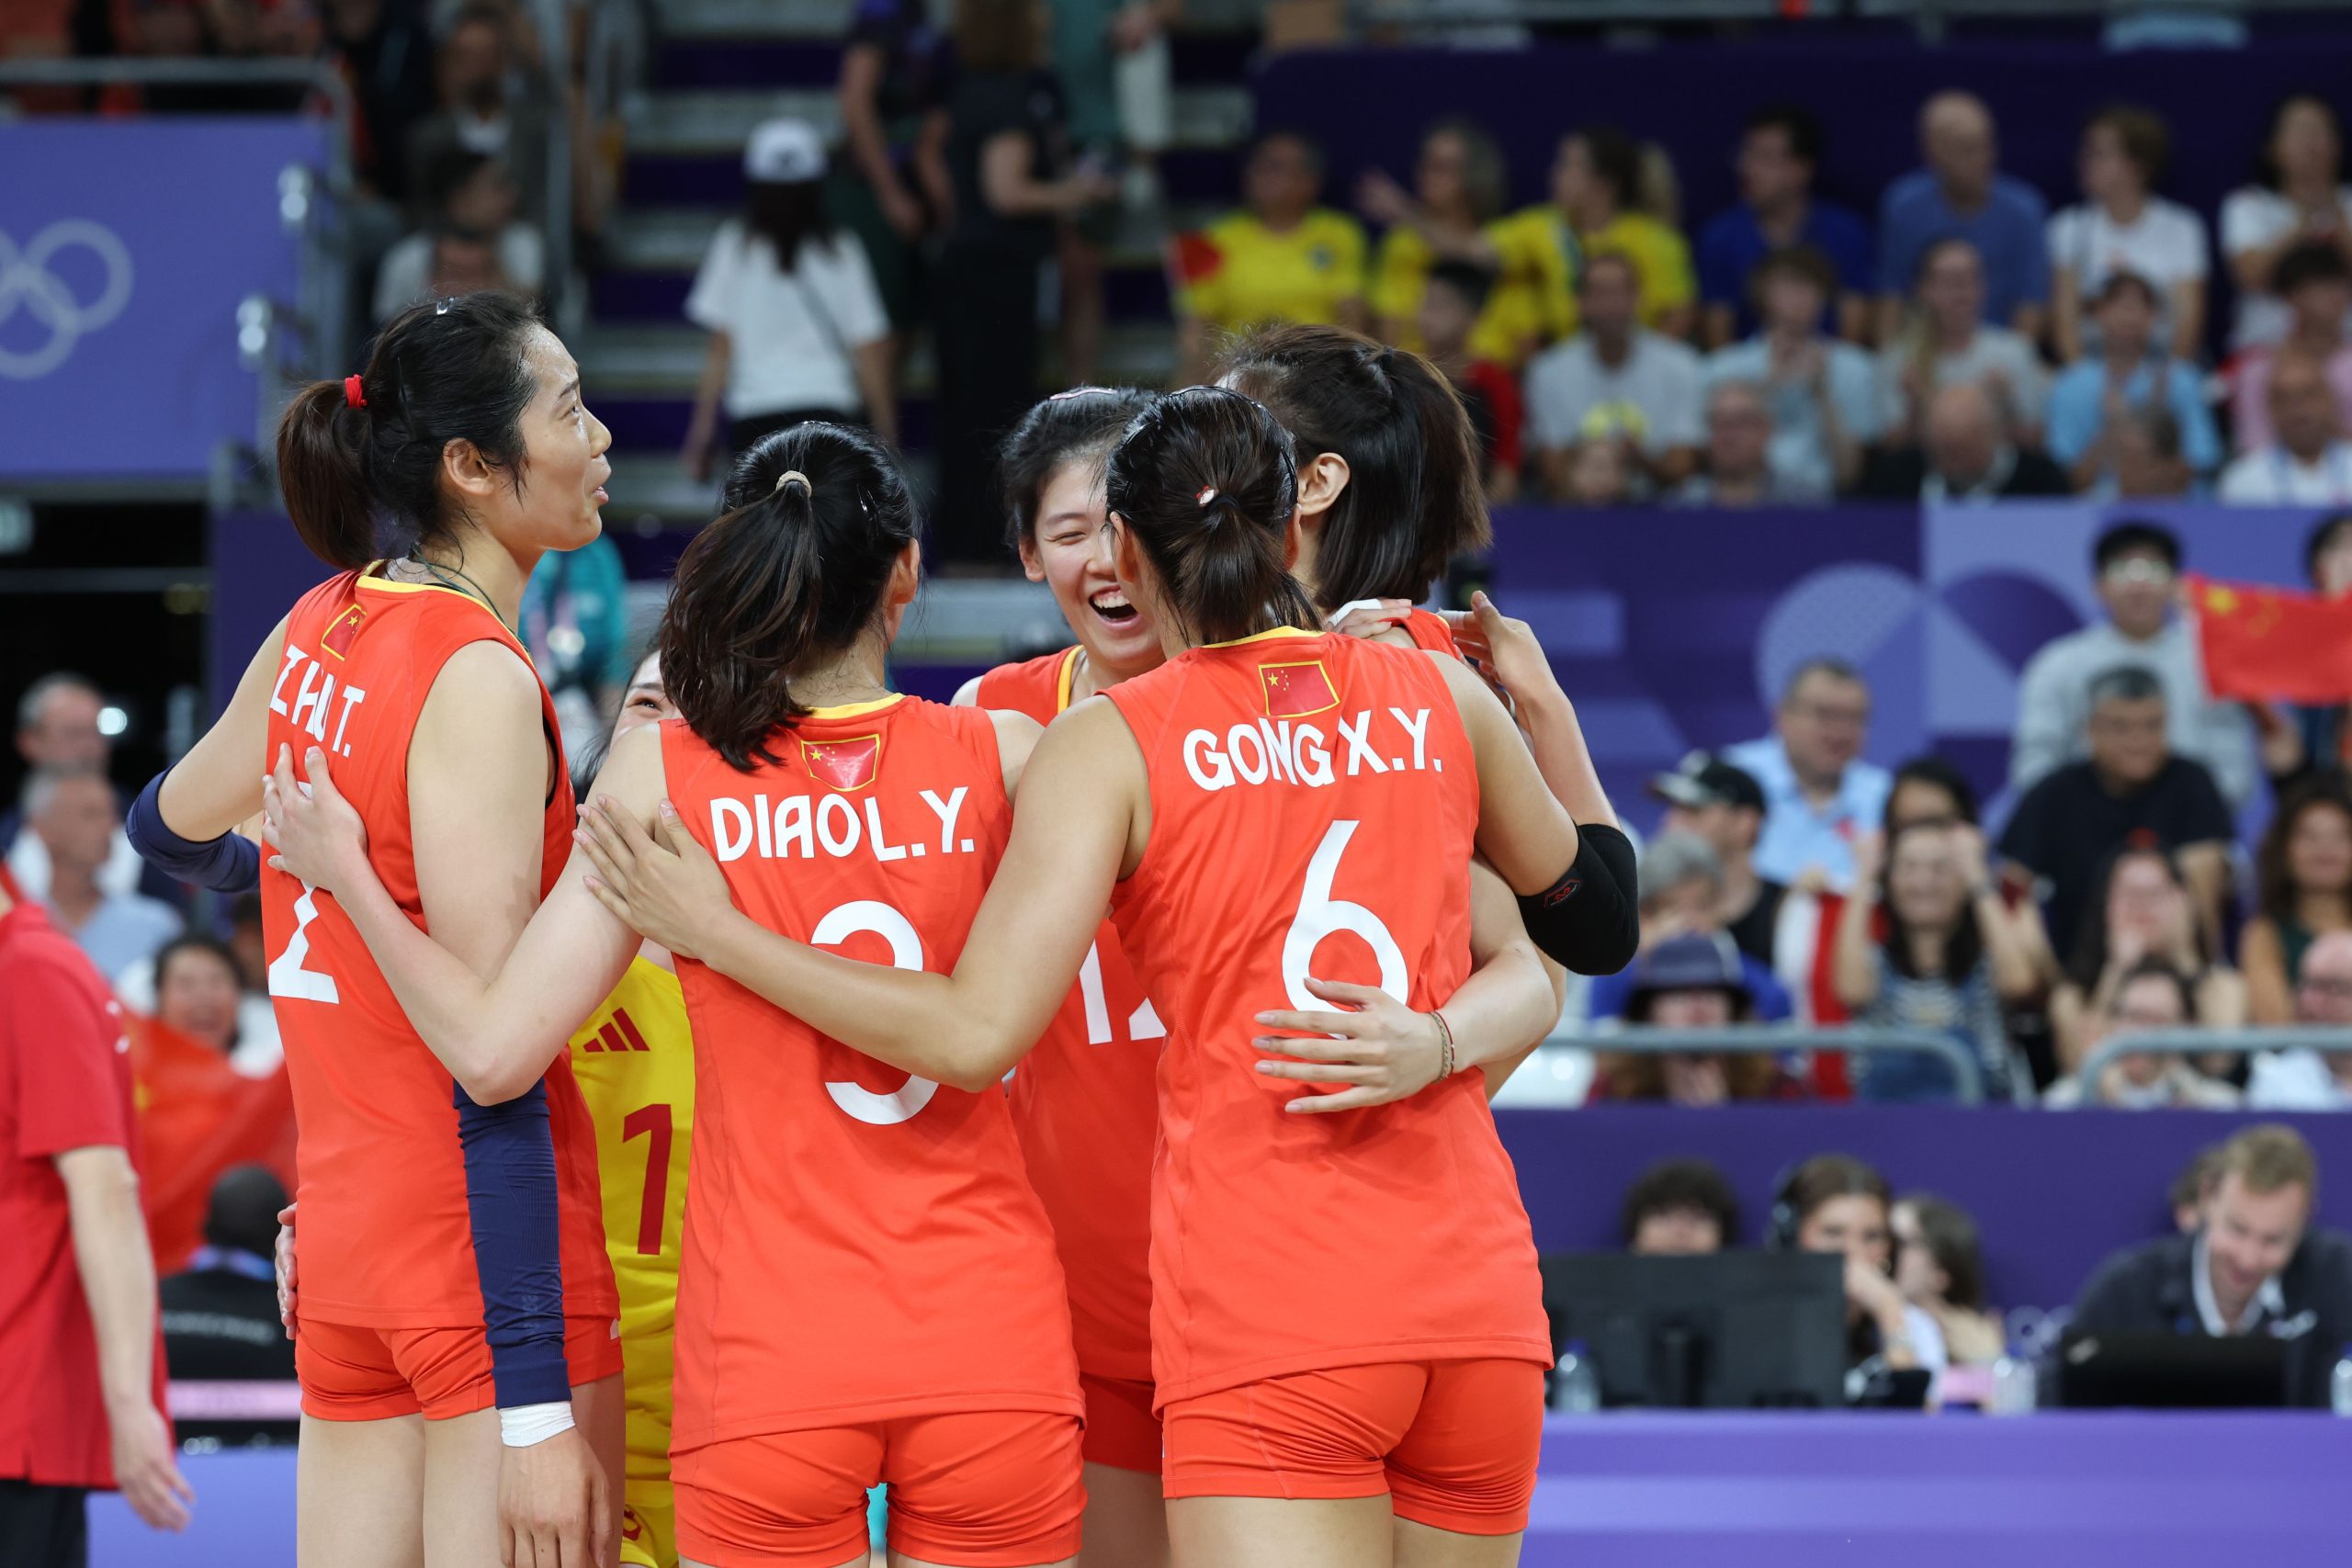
point(797, 330)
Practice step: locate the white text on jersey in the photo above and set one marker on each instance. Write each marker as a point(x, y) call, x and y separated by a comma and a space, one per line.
point(806, 826)
point(1289, 751)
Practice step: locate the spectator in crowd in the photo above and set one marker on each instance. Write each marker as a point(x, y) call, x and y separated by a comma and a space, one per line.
point(2193, 1189)
point(1007, 170)
point(574, 621)
point(1834, 1203)
point(1458, 191)
point(1616, 383)
point(2132, 789)
point(889, 189)
point(1965, 453)
point(2314, 280)
point(219, 1314)
point(74, 815)
point(1939, 1268)
point(59, 728)
point(1695, 981)
point(2310, 462)
point(77, 1311)
point(1594, 210)
point(1711, 799)
point(2149, 996)
point(1451, 302)
point(1680, 1208)
point(1945, 341)
point(198, 990)
point(2126, 372)
point(1681, 883)
point(1600, 475)
point(1818, 792)
point(1824, 392)
point(385, 53)
point(2297, 197)
point(1961, 192)
point(480, 112)
point(470, 241)
point(2304, 1079)
point(1735, 466)
point(798, 327)
point(2313, 738)
point(1780, 153)
point(1281, 258)
point(2256, 1266)
point(2304, 883)
point(2123, 226)
point(1930, 792)
point(2135, 566)
point(2140, 911)
point(1104, 52)
point(1929, 945)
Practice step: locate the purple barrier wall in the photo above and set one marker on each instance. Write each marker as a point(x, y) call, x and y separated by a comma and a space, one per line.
point(2054, 1193)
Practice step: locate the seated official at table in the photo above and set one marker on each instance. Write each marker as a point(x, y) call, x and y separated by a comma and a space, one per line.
point(219, 1314)
point(1680, 1208)
point(2254, 1266)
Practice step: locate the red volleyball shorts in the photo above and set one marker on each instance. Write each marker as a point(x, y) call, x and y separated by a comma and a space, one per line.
point(1453, 1443)
point(980, 1489)
point(350, 1373)
point(1121, 1430)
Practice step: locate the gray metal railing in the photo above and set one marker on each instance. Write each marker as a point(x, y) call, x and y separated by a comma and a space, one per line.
point(1968, 1074)
point(2205, 1042)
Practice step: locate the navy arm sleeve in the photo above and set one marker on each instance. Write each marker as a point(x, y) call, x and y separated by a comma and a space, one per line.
point(511, 1202)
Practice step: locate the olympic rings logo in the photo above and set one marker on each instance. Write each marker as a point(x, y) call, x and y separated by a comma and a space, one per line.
point(26, 283)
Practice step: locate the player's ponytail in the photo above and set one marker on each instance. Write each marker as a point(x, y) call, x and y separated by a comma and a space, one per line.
point(359, 459)
point(1204, 481)
point(1415, 495)
point(813, 520)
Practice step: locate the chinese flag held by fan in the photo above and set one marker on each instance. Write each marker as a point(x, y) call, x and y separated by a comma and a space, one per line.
point(2272, 645)
point(197, 1116)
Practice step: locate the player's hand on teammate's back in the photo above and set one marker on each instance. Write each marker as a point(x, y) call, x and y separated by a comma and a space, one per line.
point(285, 1268)
point(320, 840)
point(146, 1469)
point(555, 1505)
point(1384, 1050)
point(663, 885)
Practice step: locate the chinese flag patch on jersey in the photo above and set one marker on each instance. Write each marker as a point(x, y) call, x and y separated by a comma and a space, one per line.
point(844, 764)
point(1293, 691)
point(345, 630)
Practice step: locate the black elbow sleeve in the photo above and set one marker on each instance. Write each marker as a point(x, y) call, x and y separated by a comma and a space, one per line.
point(1589, 920)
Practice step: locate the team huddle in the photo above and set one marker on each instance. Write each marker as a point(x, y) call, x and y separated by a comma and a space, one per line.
point(1056, 1108)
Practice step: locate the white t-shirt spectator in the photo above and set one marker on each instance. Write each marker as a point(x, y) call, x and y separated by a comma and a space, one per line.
point(1799, 451)
point(2255, 218)
point(1654, 396)
point(2166, 244)
point(2273, 478)
point(792, 333)
point(405, 276)
point(1994, 356)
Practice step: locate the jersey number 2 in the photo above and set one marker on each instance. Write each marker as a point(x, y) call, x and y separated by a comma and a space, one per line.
point(1320, 915)
point(286, 976)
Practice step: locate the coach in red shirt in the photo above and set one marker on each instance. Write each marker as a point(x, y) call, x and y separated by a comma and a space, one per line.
point(81, 1365)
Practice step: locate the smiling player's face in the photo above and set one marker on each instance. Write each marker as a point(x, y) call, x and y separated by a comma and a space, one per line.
point(1069, 549)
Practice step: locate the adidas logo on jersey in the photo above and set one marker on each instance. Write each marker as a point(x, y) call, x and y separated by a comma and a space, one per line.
point(1278, 751)
point(618, 1034)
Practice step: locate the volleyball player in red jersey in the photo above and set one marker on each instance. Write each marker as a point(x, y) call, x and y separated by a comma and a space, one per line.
point(1347, 1325)
point(468, 433)
point(1391, 490)
point(869, 1291)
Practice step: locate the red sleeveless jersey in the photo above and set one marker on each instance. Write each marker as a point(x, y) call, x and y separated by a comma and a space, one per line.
point(1314, 801)
point(1087, 1107)
point(1431, 630)
point(386, 1238)
point(860, 1245)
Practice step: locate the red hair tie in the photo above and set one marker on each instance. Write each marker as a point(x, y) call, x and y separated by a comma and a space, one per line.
point(352, 396)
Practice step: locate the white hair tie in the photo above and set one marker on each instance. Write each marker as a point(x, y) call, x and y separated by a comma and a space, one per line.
point(791, 474)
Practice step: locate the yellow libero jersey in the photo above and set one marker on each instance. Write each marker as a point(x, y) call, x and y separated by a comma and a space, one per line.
point(634, 1060)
